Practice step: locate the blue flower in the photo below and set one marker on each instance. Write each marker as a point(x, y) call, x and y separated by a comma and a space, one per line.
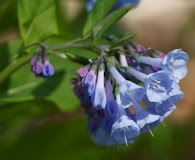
point(98, 97)
point(111, 108)
point(144, 119)
point(158, 85)
point(90, 81)
point(129, 91)
point(124, 128)
point(175, 62)
point(119, 3)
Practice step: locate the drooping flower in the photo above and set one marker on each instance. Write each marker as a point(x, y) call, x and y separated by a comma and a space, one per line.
point(124, 129)
point(157, 85)
point(47, 69)
point(129, 91)
point(174, 62)
point(40, 64)
point(144, 119)
point(90, 81)
point(99, 95)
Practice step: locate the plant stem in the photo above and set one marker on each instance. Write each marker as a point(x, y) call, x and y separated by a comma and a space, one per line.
point(14, 66)
point(70, 45)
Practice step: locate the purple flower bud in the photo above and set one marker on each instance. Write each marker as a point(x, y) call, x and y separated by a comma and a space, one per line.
point(40, 64)
point(37, 68)
point(81, 72)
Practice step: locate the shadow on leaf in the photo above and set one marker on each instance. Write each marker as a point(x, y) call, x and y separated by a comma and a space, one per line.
point(49, 85)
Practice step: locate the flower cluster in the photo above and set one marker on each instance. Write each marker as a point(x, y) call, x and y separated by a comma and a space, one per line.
point(119, 3)
point(129, 91)
point(40, 64)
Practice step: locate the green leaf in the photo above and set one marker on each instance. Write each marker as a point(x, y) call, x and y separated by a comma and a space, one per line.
point(108, 21)
point(123, 38)
point(37, 20)
point(100, 9)
point(23, 85)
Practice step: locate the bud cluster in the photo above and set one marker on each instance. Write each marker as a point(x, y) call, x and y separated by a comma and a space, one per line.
point(40, 64)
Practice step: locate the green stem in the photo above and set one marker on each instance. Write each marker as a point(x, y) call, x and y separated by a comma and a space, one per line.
point(14, 66)
point(70, 45)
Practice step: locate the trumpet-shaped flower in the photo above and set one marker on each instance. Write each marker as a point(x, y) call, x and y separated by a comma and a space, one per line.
point(124, 128)
point(174, 62)
point(90, 81)
point(129, 91)
point(99, 95)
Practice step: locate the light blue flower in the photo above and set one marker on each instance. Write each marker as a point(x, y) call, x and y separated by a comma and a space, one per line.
point(146, 120)
point(158, 85)
point(90, 81)
point(124, 128)
point(98, 97)
point(175, 62)
point(165, 108)
point(129, 91)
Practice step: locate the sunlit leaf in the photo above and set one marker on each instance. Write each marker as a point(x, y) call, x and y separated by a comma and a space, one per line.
point(108, 21)
point(98, 12)
point(37, 19)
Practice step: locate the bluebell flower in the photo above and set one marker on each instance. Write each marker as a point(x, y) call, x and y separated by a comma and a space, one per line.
point(111, 108)
point(118, 107)
point(174, 62)
point(98, 97)
point(164, 108)
point(119, 3)
point(157, 85)
point(124, 128)
point(129, 91)
point(90, 81)
point(144, 119)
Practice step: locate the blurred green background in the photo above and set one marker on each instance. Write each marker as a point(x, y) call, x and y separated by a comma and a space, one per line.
point(54, 127)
